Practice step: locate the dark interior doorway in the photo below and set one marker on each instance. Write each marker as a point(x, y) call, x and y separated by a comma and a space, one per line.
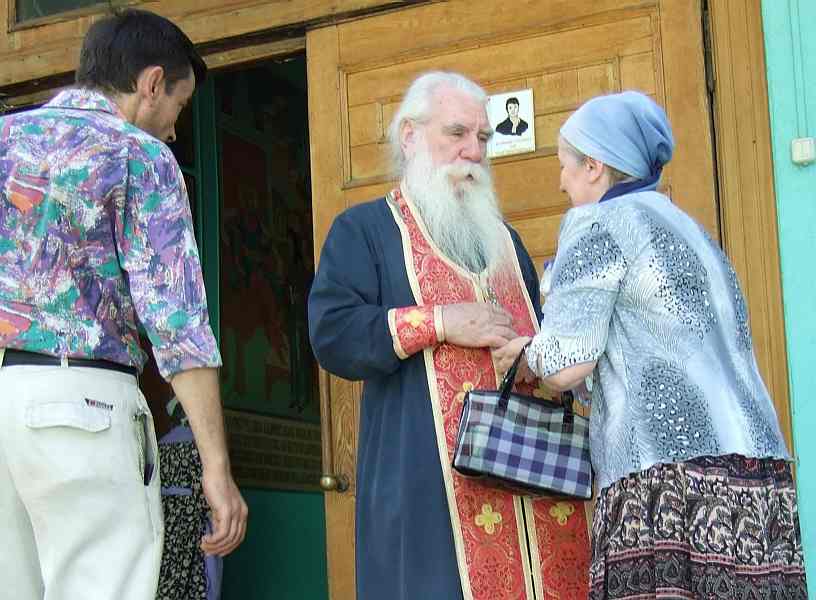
point(243, 147)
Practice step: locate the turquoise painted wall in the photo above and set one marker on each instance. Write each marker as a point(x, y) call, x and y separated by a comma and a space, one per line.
point(284, 554)
point(790, 48)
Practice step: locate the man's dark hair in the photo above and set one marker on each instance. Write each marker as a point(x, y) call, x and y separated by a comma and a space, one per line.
point(511, 100)
point(118, 48)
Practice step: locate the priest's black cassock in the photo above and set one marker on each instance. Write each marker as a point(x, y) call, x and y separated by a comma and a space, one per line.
point(404, 541)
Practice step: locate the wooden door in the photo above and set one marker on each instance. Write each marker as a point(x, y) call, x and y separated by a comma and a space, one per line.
point(566, 51)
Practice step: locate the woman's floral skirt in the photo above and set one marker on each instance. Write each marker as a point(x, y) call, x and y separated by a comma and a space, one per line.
point(709, 528)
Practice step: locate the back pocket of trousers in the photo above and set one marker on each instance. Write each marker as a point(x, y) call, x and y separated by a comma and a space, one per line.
point(71, 441)
point(74, 415)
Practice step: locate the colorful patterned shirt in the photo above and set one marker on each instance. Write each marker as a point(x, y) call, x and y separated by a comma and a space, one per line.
point(95, 233)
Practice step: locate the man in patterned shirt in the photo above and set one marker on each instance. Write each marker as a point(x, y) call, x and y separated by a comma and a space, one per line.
point(95, 234)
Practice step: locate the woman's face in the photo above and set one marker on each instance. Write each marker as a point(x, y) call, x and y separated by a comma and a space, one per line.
point(576, 178)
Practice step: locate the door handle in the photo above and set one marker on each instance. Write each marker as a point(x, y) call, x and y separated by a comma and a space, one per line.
point(334, 483)
point(329, 481)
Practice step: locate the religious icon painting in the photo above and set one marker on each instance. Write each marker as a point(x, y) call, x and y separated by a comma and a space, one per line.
point(512, 116)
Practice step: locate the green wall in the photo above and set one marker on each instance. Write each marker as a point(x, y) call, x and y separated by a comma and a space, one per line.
point(790, 47)
point(284, 554)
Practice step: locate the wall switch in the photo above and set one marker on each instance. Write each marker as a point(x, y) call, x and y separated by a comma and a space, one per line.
point(803, 150)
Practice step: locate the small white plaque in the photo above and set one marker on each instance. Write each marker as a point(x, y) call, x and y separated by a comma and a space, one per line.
point(512, 116)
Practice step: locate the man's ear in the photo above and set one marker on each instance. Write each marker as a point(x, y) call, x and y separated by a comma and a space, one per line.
point(408, 137)
point(150, 83)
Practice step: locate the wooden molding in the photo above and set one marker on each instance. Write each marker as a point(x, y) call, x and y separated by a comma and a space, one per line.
point(745, 172)
point(249, 54)
point(322, 51)
point(20, 101)
point(48, 47)
point(40, 92)
point(99, 8)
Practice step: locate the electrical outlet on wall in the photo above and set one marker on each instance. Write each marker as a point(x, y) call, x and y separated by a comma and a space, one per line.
point(803, 150)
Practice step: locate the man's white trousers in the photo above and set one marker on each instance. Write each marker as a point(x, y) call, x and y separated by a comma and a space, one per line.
point(79, 519)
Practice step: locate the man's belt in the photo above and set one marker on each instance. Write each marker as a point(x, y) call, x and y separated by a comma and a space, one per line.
point(13, 357)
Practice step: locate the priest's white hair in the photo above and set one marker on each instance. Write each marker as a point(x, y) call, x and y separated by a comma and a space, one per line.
point(416, 106)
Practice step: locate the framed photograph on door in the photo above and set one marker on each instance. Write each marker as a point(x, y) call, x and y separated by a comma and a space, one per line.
point(512, 116)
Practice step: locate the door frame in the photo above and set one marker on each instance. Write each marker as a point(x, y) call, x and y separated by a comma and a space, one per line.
point(744, 167)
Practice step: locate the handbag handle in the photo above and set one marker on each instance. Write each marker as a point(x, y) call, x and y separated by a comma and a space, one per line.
point(506, 387)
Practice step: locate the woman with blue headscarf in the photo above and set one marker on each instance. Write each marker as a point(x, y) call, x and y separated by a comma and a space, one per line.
point(695, 495)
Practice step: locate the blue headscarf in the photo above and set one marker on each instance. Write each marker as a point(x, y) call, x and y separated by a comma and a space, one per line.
point(627, 131)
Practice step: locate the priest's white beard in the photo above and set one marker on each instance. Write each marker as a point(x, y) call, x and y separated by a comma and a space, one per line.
point(464, 219)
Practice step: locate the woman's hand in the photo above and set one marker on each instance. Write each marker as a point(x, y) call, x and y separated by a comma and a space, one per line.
point(524, 373)
point(504, 357)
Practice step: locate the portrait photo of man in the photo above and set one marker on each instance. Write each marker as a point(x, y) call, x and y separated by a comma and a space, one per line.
point(513, 124)
point(511, 114)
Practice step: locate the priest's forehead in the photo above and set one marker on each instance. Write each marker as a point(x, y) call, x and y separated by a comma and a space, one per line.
point(457, 111)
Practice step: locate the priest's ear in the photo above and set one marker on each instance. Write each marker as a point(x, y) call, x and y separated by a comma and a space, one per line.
point(408, 137)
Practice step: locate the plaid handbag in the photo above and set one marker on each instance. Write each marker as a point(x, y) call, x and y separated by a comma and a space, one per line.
point(534, 445)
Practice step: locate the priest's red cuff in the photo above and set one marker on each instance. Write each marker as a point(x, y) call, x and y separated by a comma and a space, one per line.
point(414, 328)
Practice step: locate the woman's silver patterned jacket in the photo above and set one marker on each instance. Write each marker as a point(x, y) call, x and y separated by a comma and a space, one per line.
point(639, 286)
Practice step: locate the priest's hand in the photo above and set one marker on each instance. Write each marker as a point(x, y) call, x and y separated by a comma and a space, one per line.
point(477, 325)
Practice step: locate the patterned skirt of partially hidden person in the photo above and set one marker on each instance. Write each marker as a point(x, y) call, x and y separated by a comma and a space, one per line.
point(722, 527)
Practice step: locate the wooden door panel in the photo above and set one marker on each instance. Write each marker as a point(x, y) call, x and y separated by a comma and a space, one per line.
point(542, 233)
point(567, 51)
point(535, 61)
point(533, 55)
point(564, 68)
point(359, 194)
point(536, 194)
point(446, 26)
point(637, 72)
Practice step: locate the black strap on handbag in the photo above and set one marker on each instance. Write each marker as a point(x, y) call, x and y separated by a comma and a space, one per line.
point(509, 380)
